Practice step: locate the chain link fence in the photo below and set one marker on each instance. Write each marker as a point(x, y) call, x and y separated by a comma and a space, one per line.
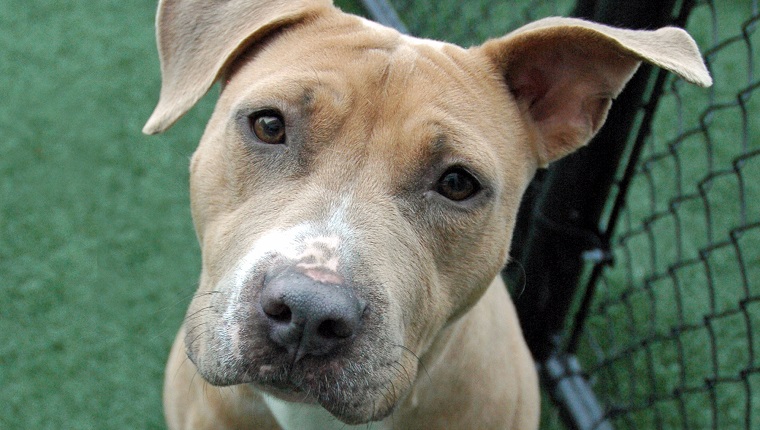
point(673, 329)
point(663, 323)
point(473, 22)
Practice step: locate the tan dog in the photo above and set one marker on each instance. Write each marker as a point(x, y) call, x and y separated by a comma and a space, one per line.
point(354, 195)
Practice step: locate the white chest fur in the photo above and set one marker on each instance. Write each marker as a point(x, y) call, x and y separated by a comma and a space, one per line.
point(299, 416)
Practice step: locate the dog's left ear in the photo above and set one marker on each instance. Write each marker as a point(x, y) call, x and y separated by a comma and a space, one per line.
point(198, 39)
point(565, 72)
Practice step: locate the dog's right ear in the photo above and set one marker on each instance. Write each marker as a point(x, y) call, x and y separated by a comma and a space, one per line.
point(198, 39)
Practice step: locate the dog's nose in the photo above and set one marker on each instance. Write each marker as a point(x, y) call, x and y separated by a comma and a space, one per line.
point(307, 317)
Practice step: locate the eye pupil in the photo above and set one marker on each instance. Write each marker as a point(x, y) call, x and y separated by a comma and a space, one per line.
point(457, 184)
point(269, 128)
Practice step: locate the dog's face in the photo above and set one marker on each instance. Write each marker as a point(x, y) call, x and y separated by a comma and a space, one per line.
point(379, 165)
point(355, 190)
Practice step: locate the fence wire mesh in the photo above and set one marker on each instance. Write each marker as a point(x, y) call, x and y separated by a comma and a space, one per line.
point(672, 336)
point(674, 328)
point(472, 22)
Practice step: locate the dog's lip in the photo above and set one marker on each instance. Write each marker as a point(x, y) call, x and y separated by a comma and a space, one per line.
point(304, 385)
point(289, 382)
point(339, 410)
point(286, 391)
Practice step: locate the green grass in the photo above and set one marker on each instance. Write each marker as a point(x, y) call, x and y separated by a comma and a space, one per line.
point(98, 257)
point(97, 253)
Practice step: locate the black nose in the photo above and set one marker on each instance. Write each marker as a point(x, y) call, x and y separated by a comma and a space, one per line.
point(307, 317)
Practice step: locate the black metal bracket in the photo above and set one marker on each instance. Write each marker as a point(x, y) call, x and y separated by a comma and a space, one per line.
point(381, 11)
point(568, 387)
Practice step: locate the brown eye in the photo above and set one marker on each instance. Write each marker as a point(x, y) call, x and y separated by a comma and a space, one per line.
point(268, 127)
point(457, 184)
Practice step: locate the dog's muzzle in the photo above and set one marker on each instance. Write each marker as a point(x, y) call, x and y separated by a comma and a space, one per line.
point(303, 317)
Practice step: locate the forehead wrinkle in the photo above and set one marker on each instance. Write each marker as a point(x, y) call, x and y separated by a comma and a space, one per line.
point(401, 62)
point(452, 141)
point(444, 145)
point(389, 120)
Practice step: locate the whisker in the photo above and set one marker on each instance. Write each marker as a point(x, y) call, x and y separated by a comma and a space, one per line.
point(197, 337)
point(419, 361)
point(180, 300)
point(197, 313)
point(408, 378)
point(523, 277)
point(204, 294)
point(193, 328)
point(192, 379)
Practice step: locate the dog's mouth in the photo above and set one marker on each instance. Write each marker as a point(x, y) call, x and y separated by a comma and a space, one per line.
point(305, 341)
point(356, 388)
point(353, 392)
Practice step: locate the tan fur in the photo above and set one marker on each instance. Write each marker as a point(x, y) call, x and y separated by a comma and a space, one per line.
point(374, 118)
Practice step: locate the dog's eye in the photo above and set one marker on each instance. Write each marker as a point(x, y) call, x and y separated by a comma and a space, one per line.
point(457, 184)
point(268, 127)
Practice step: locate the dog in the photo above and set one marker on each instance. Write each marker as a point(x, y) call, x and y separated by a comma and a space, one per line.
point(354, 195)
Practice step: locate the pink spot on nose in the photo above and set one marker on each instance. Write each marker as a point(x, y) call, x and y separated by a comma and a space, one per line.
point(319, 259)
point(323, 276)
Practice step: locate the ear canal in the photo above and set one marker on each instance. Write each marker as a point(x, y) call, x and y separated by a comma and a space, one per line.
point(197, 39)
point(565, 72)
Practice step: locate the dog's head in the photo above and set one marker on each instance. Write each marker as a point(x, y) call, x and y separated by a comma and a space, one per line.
point(355, 189)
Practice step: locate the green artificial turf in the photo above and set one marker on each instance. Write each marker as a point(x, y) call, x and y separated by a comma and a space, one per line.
point(97, 253)
point(98, 257)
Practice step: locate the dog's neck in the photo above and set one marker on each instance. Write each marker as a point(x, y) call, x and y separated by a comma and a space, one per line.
point(299, 416)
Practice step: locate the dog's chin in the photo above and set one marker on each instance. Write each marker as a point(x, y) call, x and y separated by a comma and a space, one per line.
point(352, 396)
point(356, 399)
point(344, 409)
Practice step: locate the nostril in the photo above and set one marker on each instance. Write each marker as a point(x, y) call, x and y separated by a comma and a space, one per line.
point(308, 317)
point(334, 329)
point(279, 312)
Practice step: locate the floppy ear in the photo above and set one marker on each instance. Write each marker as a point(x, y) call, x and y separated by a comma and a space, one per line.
point(565, 72)
point(197, 39)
